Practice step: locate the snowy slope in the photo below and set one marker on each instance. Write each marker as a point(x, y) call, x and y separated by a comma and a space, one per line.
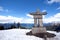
point(20, 34)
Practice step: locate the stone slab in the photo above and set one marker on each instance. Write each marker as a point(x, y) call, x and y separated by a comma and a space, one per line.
point(38, 30)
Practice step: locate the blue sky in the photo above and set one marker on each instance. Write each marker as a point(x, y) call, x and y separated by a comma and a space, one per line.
point(18, 10)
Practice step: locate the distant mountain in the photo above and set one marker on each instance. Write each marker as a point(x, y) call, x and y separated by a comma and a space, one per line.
point(7, 25)
point(27, 25)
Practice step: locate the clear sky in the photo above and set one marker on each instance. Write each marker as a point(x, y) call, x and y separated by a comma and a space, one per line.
point(18, 10)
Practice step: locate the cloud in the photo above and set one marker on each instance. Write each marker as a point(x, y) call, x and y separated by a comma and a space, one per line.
point(12, 19)
point(52, 1)
point(3, 10)
point(54, 18)
point(9, 19)
point(44, 11)
point(58, 8)
point(29, 15)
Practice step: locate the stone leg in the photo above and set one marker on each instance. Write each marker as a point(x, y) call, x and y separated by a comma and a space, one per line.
point(40, 22)
point(35, 22)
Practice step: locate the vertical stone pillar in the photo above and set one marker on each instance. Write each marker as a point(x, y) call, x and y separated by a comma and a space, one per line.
point(40, 22)
point(35, 22)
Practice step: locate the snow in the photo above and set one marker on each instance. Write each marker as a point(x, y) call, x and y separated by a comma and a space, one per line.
point(20, 34)
point(57, 37)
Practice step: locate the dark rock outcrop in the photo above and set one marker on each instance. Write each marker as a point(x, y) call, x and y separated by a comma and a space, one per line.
point(41, 35)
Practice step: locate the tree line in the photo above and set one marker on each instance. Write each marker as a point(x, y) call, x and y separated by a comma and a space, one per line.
point(12, 26)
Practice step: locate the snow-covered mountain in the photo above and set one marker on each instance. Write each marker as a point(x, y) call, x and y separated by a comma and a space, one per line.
point(20, 34)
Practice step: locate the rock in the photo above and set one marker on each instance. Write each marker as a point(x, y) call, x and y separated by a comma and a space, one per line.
point(42, 35)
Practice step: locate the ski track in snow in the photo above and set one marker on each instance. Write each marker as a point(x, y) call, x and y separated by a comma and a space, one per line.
point(20, 34)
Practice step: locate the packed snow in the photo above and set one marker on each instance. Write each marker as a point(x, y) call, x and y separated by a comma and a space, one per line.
point(20, 34)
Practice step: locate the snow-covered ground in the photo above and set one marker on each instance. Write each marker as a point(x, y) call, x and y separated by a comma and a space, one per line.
point(20, 34)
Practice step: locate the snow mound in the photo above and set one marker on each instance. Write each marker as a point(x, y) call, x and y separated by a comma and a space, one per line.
point(20, 34)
